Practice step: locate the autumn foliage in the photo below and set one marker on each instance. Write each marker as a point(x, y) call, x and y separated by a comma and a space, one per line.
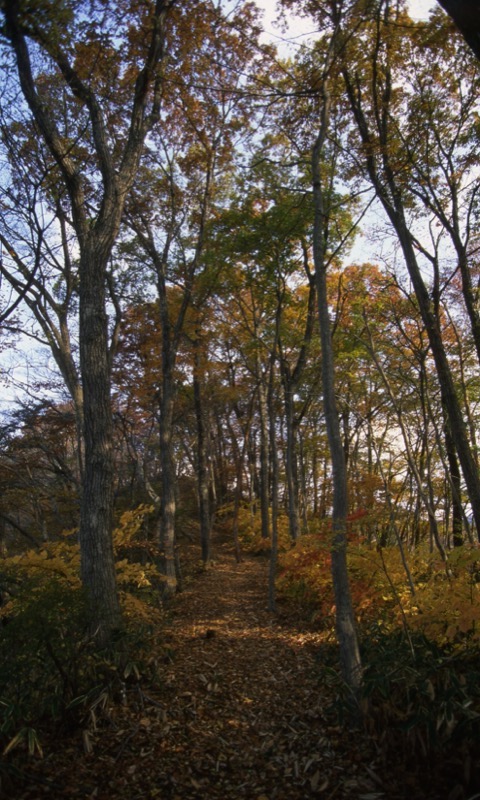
point(50, 669)
point(251, 287)
point(443, 606)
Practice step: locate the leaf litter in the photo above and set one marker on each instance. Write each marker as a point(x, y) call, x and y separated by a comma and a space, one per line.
point(238, 713)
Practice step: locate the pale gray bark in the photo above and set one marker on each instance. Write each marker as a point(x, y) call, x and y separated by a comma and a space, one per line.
point(264, 454)
point(203, 473)
point(291, 377)
point(344, 614)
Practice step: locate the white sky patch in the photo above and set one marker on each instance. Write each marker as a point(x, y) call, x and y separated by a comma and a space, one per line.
point(420, 9)
point(299, 28)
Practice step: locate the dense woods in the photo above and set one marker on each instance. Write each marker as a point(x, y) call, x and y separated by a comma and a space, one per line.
point(241, 291)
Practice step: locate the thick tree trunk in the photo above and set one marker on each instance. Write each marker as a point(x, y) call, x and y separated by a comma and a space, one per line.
point(96, 513)
point(96, 233)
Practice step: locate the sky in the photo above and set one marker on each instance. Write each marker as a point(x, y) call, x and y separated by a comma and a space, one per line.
point(300, 28)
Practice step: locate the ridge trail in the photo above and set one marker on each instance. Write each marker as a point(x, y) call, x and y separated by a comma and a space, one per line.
point(238, 713)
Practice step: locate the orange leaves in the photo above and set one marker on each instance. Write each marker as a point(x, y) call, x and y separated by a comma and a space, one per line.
point(305, 577)
point(445, 606)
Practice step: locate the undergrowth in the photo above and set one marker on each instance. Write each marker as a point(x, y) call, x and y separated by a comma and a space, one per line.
point(53, 676)
point(440, 601)
point(420, 642)
point(420, 706)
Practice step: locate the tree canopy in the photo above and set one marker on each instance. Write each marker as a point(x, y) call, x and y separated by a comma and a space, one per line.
point(254, 278)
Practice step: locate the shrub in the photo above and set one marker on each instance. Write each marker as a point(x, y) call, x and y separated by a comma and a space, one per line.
point(419, 704)
point(51, 671)
point(250, 533)
point(444, 607)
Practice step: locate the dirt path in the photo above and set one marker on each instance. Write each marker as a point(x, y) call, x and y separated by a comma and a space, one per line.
point(244, 700)
point(239, 713)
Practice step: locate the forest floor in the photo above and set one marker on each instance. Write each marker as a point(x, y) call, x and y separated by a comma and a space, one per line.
point(238, 712)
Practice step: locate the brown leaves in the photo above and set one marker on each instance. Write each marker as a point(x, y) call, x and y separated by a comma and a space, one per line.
point(237, 714)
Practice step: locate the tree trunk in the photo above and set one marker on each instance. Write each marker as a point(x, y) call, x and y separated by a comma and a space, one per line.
point(447, 387)
point(291, 466)
point(272, 430)
point(456, 488)
point(239, 459)
point(345, 620)
point(264, 457)
point(202, 459)
point(96, 511)
point(272, 569)
point(167, 487)
point(415, 469)
point(383, 177)
point(96, 231)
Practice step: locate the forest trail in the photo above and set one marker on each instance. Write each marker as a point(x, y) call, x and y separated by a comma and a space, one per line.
point(239, 712)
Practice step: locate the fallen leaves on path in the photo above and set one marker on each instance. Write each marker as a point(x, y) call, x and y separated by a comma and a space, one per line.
point(238, 712)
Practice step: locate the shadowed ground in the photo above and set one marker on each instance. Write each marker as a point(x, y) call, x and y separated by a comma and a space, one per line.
point(239, 712)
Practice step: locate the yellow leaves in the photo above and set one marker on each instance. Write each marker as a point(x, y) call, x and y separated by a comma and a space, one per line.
point(129, 525)
point(445, 606)
point(56, 560)
point(60, 561)
point(132, 574)
point(134, 608)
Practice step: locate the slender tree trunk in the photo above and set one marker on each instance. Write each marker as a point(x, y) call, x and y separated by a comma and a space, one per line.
point(303, 485)
point(345, 618)
point(272, 430)
point(390, 195)
point(202, 458)
point(264, 458)
point(416, 470)
point(291, 378)
point(253, 484)
point(291, 466)
point(450, 399)
point(167, 487)
point(456, 484)
point(272, 569)
point(392, 513)
point(468, 291)
point(238, 458)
